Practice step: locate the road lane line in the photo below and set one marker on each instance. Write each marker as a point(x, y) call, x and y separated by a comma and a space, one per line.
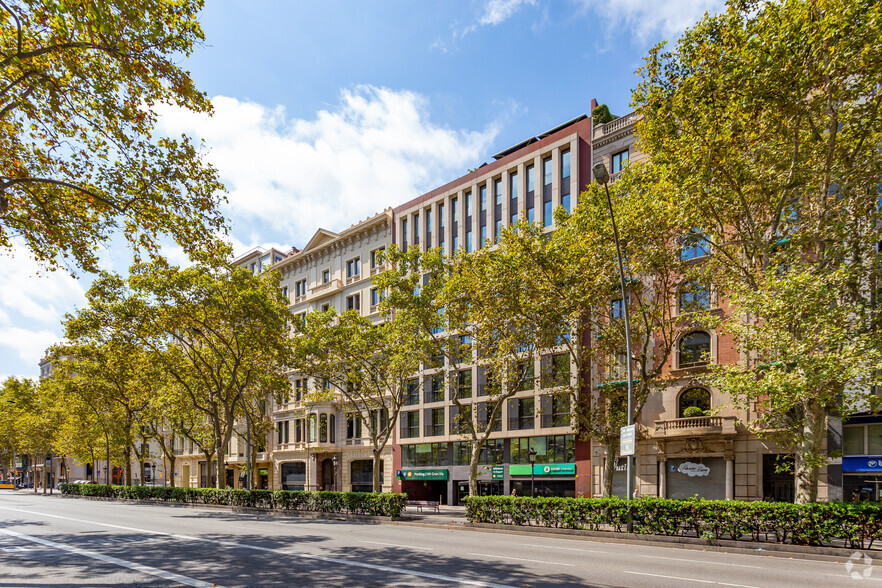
point(322, 558)
point(185, 580)
point(394, 545)
point(688, 579)
point(553, 563)
point(701, 561)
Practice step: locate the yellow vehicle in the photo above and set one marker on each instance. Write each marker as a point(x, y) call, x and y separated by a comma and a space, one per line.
point(4, 484)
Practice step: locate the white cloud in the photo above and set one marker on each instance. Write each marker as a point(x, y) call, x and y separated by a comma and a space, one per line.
point(495, 12)
point(287, 177)
point(34, 302)
point(498, 11)
point(33, 293)
point(649, 19)
point(29, 344)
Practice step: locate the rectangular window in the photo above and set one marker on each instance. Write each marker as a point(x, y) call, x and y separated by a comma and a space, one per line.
point(326, 276)
point(428, 215)
point(619, 161)
point(285, 292)
point(547, 209)
point(513, 197)
point(416, 229)
point(565, 180)
point(558, 371)
point(468, 242)
point(555, 410)
point(353, 302)
point(375, 297)
point(410, 424)
point(404, 235)
point(498, 232)
point(376, 256)
point(434, 388)
point(454, 210)
point(617, 309)
point(549, 449)
point(300, 288)
point(313, 426)
point(412, 393)
point(298, 430)
point(323, 428)
point(520, 414)
point(424, 454)
point(464, 383)
point(482, 218)
point(435, 426)
point(353, 268)
point(326, 307)
point(441, 221)
point(459, 418)
point(497, 192)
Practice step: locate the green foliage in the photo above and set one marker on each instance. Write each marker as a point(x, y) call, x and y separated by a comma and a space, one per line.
point(857, 524)
point(82, 87)
point(693, 411)
point(601, 114)
point(360, 503)
point(764, 124)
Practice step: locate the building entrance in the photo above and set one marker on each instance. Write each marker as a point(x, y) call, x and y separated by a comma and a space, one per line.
point(779, 484)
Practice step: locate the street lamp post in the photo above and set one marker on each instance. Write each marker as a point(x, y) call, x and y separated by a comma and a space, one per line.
point(335, 460)
point(532, 455)
point(602, 177)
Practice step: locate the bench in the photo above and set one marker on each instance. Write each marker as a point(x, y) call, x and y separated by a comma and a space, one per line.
point(420, 504)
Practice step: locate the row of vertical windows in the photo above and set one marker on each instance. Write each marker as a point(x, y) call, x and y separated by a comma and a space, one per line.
point(498, 222)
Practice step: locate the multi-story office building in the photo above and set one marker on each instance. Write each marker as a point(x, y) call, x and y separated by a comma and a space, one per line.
point(679, 456)
point(322, 445)
point(529, 180)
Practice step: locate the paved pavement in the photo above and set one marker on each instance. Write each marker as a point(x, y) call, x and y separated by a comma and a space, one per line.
point(70, 542)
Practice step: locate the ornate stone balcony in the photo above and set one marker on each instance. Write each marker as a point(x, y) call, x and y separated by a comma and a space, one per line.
point(690, 427)
point(615, 125)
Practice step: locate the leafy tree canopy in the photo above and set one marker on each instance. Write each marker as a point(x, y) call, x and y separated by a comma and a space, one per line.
point(79, 157)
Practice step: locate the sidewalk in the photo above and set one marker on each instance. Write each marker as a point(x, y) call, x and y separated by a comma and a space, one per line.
point(446, 515)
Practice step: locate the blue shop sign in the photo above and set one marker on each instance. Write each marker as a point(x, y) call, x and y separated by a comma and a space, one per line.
point(862, 464)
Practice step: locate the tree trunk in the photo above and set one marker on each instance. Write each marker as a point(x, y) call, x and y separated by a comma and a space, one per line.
point(609, 469)
point(473, 468)
point(171, 463)
point(127, 458)
point(221, 469)
point(378, 483)
point(808, 458)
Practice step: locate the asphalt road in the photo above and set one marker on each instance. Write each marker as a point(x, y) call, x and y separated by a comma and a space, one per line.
point(55, 541)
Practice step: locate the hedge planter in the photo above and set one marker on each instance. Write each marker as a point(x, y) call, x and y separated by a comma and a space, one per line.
point(855, 524)
point(356, 503)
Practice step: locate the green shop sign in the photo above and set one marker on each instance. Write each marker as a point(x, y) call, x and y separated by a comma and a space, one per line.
point(550, 469)
point(422, 474)
point(497, 473)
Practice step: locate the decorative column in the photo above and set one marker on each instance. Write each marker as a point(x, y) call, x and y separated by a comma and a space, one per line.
point(662, 470)
point(730, 475)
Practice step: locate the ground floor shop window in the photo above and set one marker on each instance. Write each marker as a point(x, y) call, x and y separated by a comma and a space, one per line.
point(560, 488)
point(362, 475)
point(701, 476)
point(857, 487)
point(294, 475)
point(779, 484)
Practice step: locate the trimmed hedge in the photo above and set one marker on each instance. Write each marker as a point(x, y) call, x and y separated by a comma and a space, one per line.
point(852, 524)
point(361, 503)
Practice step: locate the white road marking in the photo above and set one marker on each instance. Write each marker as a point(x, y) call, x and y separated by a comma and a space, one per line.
point(395, 545)
point(664, 557)
point(322, 558)
point(185, 580)
point(553, 563)
point(688, 579)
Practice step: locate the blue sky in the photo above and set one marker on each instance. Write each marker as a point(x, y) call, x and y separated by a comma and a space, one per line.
point(327, 112)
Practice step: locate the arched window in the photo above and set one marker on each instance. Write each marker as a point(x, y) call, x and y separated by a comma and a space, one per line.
point(694, 297)
point(693, 348)
point(690, 400)
point(695, 245)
